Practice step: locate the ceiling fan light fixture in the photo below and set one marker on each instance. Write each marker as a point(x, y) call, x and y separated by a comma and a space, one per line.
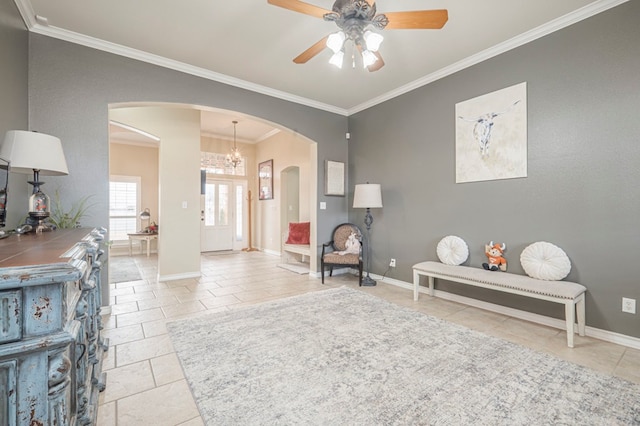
point(337, 59)
point(368, 58)
point(373, 40)
point(335, 41)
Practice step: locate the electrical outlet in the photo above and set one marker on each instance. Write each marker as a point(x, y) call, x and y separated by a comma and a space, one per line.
point(629, 305)
point(392, 264)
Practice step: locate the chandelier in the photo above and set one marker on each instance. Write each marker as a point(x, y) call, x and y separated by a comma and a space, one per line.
point(234, 158)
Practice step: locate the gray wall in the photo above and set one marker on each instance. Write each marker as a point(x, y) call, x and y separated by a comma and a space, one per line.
point(71, 87)
point(581, 192)
point(14, 43)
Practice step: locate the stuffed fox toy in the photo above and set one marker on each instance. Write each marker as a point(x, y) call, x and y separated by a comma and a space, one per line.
point(494, 254)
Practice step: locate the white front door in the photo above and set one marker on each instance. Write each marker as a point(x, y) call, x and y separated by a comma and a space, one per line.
point(223, 215)
point(216, 219)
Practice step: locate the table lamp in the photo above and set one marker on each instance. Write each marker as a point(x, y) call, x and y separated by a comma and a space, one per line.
point(145, 215)
point(40, 154)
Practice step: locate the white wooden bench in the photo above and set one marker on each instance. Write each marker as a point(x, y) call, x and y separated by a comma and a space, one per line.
point(302, 249)
point(570, 294)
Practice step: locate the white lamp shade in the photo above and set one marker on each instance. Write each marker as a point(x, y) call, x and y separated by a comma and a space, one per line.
point(373, 40)
point(367, 195)
point(337, 59)
point(29, 151)
point(368, 58)
point(335, 41)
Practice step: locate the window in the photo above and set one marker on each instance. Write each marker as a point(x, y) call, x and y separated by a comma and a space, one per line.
point(216, 164)
point(124, 205)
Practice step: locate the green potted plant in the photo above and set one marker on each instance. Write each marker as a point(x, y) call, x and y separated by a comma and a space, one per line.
point(64, 219)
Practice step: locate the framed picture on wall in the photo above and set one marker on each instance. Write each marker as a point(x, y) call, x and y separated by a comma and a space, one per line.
point(491, 136)
point(265, 180)
point(334, 178)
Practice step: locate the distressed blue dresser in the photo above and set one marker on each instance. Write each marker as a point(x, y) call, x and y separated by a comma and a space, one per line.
point(50, 345)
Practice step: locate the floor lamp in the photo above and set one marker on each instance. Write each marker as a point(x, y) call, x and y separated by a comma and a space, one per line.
point(368, 196)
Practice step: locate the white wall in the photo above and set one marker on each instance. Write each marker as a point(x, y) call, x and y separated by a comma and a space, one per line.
point(179, 181)
point(286, 149)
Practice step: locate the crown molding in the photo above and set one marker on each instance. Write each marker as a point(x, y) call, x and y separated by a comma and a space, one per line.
point(30, 19)
point(524, 38)
point(268, 135)
point(26, 11)
point(216, 136)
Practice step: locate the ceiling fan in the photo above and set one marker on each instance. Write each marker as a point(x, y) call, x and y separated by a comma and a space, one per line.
point(356, 19)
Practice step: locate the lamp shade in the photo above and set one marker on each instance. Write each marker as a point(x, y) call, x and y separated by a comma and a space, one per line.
point(335, 41)
point(367, 195)
point(373, 40)
point(28, 151)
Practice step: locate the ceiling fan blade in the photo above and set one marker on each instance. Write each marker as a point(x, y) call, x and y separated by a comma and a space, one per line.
point(419, 19)
point(377, 64)
point(312, 51)
point(301, 7)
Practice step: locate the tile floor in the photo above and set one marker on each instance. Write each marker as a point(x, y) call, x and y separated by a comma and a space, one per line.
point(146, 386)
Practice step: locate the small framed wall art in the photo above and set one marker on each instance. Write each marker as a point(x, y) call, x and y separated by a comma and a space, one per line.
point(265, 180)
point(334, 178)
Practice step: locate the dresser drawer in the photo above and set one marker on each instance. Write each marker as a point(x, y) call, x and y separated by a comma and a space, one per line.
point(10, 315)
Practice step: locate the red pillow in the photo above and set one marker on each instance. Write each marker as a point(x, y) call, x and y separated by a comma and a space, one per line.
point(299, 233)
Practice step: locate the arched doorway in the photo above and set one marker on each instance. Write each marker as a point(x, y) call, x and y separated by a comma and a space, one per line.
point(266, 225)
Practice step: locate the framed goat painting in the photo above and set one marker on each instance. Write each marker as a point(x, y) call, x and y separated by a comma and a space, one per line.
point(491, 136)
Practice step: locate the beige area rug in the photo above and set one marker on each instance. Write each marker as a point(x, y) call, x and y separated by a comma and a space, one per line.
point(344, 357)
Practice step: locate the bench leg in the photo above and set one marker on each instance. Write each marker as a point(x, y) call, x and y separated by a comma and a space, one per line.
point(569, 313)
point(432, 289)
point(581, 316)
point(416, 285)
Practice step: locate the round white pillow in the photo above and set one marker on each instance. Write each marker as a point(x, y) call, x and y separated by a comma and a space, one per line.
point(452, 250)
point(545, 261)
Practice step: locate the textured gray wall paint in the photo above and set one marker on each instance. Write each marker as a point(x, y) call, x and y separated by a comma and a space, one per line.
point(71, 87)
point(14, 113)
point(581, 192)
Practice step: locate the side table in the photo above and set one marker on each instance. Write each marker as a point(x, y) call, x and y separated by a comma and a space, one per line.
point(142, 236)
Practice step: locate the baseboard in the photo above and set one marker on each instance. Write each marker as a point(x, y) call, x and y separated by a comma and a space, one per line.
point(607, 336)
point(175, 277)
point(339, 271)
point(271, 252)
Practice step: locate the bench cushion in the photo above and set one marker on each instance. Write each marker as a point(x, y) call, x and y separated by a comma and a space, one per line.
point(562, 289)
point(341, 259)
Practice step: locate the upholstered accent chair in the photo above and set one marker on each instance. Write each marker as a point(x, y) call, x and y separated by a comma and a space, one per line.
point(340, 251)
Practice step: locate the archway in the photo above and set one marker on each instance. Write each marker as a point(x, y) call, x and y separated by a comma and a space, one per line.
point(267, 226)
